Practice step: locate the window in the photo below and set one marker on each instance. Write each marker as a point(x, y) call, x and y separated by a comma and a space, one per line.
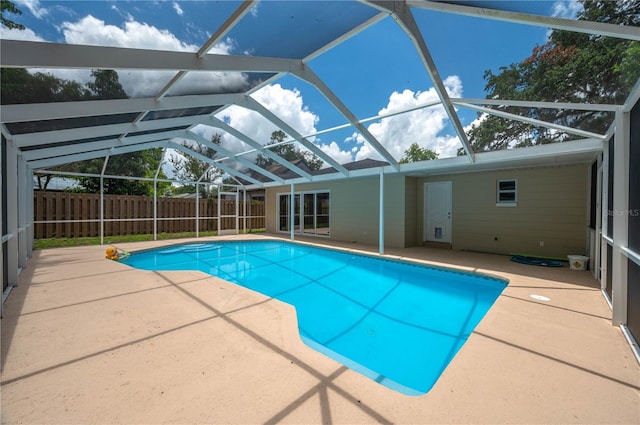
point(310, 208)
point(507, 195)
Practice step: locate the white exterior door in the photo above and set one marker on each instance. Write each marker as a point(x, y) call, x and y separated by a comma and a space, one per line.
point(437, 212)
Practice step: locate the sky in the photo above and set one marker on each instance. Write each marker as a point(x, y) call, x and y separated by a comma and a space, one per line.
point(375, 72)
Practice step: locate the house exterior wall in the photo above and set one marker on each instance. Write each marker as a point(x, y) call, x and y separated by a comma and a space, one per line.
point(411, 213)
point(552, 208)
point(355, 209)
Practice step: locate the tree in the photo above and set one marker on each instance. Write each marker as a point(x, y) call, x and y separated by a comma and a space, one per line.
point(7, 6)
point(135, 164)
point(20, 86)
point(629, 66)
point(415, 153)
point(289, 152)
point(569, 67)
point(229, 184)
point(106, 85)
point(44, 179)
point(192, 169)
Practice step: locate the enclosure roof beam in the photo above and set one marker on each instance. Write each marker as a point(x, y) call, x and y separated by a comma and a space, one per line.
point(36, 154)
point(104, 165)
point(196, 137)
point(256, 106)
point(605, 107)
point(503, 114)
point(355, 31)
point(229, 170)
point(106, 176)
point(36, 54)
point(205, 174)
point(100, 153)
point(162, 161)
point(235, 17)
point(401, 13)
point(218, 123)
point(5, 131)
point(586, 27)
point(58, 136)
point(312, 78)
point(231, 21)
point(87, 108)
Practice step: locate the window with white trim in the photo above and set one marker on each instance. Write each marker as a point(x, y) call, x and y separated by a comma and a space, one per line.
point(507, 193)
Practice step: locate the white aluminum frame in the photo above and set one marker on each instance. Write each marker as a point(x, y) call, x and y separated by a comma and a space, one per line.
point(235, 216)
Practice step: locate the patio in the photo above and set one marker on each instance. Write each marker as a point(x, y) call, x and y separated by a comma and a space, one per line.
point(86, 340)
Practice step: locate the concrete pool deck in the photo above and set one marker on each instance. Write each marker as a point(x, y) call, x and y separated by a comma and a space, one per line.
point(87, 340)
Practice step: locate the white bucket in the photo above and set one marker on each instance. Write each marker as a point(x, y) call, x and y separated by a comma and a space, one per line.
point(578, 262)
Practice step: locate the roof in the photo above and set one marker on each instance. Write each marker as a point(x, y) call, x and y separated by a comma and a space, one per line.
point(50, 134)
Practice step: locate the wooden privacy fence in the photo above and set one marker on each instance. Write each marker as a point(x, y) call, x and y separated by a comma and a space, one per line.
point(73, 215)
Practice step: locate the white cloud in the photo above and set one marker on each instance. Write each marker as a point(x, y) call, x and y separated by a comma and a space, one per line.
point(92, 31)
point(33, 6)
point(208, 82)
point(254, 10)
point(285, 103)
point(126, 15)
point(177, 8)
point(15, 34)
point(422, 126)
point(476, 122)
point(333, 149)
point(247, 122)
point(568, 9)
point(288, 105)
point(396, 134)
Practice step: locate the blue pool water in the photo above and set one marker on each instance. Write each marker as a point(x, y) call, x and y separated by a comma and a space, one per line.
point(398, 323)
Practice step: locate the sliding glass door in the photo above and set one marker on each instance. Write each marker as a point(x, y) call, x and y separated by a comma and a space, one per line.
point(310, 208)
point(309, 215)
point(284, 209)
point(322, 214)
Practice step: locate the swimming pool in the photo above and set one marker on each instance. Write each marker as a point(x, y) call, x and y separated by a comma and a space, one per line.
point(398, 323)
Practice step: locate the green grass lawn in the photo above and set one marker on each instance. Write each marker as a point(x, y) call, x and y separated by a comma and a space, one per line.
point(66, 242)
